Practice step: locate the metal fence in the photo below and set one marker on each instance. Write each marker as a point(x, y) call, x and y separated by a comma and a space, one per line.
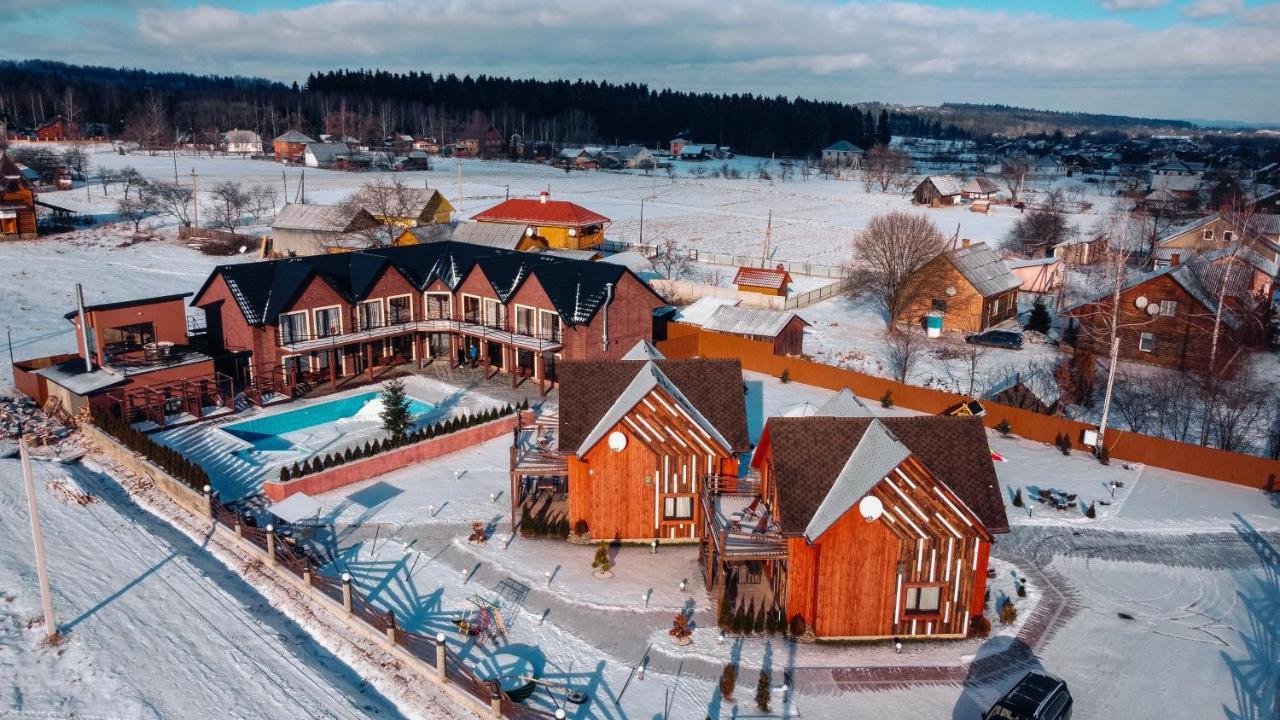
point(795, 268)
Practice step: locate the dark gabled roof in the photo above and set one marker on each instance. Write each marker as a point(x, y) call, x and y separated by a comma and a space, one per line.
point(577, 288)
point(589, 388)
point(810, 452)
point(984, 270)
point(128, 303)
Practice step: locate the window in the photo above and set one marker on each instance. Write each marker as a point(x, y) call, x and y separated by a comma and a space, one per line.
point(1228, 236)
point(128, 337)
point(677, 508)
point(295, 365)
point(494, 314)
point(1168, 308)
point(922, 599)
point(940, 304)
point(550, 326)
point(471, 308)
point(1208, 235)
point(437, 306)
point(369, 313)
point(328, 322)
point(1147, 342)
point(293, 327)
point(399, 309)
point(525, 320)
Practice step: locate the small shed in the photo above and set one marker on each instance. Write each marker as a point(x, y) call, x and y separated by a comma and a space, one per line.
point(979, 188)
point(784, 329)
point(764, 281)
point(314, 229)
point(1038, 276)
point(938, 190)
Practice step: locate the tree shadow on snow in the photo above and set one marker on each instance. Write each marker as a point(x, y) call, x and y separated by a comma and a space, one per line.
point(1254, 677)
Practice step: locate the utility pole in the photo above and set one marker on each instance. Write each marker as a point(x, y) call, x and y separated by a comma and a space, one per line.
point(459, 161)
point(284, 180)
point(195, 201)
point(9, 334)
point(641, 221)
point(768, 233)
point(37, 540)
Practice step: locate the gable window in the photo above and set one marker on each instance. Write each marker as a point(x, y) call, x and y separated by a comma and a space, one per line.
point(399, 309)
point(550, 325)
point(1147, 342)
point(328, 321)
point(1208, 235)
point(471, 308)
point(437, 306)
point(525, 320)
point(369, 314)
point(677, 508)
point(493, 313)
point(1168, 308)
point(293, 327)
point(922, 599)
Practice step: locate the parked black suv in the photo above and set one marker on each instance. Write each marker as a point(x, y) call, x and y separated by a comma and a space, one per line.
point(997, 338)
point(1037, 696)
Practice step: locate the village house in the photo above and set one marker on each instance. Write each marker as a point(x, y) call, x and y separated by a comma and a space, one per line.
point(291, 146)
point(1037, 277)
point(324, 155)
point(630, 156)
point(144, 361)
point(979, 188)
point(643, 437)
point(774, 281)
point(936, 190)
point(1082, 249)
point(56, 129)
point(842, 153)
point(859, 527)
point(696, 152)
point(1214, 232)
point(303, 229)
point(415, 206)
point(1166, 318)
point(577, 157)
point(17, 202)
point(784, 330)
point(490, 143)
point(970, 287)
point(241, 142)
point(324, 318)
point(556, 224)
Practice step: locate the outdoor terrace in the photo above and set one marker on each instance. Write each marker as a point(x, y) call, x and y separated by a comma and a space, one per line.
point(472, 326)
point(738, 523)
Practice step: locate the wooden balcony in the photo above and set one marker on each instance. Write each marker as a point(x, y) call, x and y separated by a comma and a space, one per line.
point(470, 326)
point(740, 527)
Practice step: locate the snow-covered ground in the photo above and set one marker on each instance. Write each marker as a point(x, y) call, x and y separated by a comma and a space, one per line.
point(153, 626)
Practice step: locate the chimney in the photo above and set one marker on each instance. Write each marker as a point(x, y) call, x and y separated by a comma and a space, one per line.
point(964, 243)
point(543, 196)
point(84, 330)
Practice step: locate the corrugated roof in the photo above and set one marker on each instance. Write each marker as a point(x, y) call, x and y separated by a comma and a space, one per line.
point(555, 213)
point(702, 309)
point(326, 218)
point(983, 269)
point(759, 322)
point(497, 235)
point(327, 152)
point(644, 350)
point(762, 277)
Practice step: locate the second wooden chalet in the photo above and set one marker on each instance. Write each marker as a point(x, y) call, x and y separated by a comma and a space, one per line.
point(862, 527)
point(643, 437)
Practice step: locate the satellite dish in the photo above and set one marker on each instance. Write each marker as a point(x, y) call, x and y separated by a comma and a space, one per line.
point(1140, 301)
point(528, 232)
point(951, 292)
point(617, 441)
point(871, 508)
point(1153, 309)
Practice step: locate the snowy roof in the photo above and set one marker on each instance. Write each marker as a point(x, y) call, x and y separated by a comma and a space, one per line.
point(293, 136)
point(325, 218)
point(298, 506)
point(71, 375)
point(1032, 262)
point(327, 152)
point(877, 453)
point(643, 350)
point(702, 309)
point(1176, 183)
point(844, 404)
point(983, 269)
point(944, 184)
point(842, 146)
point(242, 136)
point(980, 185)
point(759, 322)
point(1185, 277)
point(646, 381)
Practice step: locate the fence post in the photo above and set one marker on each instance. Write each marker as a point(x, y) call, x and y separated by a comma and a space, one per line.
point(346, 592)
point(239, 531)
point(208, 502)
point(306, 573)
point(271, 545)
point(391, 627)
point(495, 699)
point(440, 652)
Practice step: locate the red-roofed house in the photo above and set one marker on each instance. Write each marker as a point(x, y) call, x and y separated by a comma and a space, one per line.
point(555, 224)
point(764, 281)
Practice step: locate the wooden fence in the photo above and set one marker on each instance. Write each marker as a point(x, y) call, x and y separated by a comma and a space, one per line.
point(1238, 468)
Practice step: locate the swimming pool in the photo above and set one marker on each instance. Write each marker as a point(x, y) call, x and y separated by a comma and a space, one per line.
point(271, 433)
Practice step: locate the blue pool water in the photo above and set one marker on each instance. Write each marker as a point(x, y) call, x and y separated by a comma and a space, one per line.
point(266, 433)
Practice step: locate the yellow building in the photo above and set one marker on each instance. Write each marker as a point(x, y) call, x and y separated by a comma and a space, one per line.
point(555, 224)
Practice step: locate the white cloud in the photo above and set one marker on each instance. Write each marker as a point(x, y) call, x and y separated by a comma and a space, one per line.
point(859, 51)
point(1201, 9)
point(1123, 5)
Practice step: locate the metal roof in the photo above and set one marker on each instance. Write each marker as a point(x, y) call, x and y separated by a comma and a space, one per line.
point(71, 375)
point(556, 213)
point(327, 152)
point(702, 309)
point(749, 321)
point(842, 146)
point(983, 269)
point(327, 218)
point(644, 350)
point(498, 235)
point(844, 404)
point(293, 136)
point(775, 278)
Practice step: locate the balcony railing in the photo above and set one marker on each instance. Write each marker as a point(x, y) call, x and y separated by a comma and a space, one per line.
point(746, 536)
point(472, 324)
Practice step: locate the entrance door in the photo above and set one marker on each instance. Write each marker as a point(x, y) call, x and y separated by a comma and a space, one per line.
point(495, 355)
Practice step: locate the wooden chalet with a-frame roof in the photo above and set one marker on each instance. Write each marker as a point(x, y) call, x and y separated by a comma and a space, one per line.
point(642, 437)
point(861, 527)
point(325, 320)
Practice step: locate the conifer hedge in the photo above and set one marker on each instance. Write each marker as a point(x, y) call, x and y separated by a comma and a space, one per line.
point(166, 458)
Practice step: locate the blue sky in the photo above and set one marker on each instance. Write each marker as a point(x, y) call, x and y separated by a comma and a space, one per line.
point(1206, 59)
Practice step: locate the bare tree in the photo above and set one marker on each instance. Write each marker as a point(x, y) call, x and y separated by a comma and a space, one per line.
point(170, 199)
point(230, 204)
point(149, 126)
point(136, 209)
point(885, 167)
point(1046, 225)
point(904, 347)
point(786, 170)
point(1134, 400)
point(130, 178)
point(670, 261)
point(1013, 172)
point(388, 202)
point(893, 247)
point(972, 356)
point(1173, 407)
point(1241, 406)
point(264, 200)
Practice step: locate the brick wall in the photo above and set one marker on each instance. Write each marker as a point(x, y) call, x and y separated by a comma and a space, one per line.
point(388, 461)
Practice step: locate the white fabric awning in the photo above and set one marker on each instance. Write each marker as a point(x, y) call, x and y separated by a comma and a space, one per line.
point(297, 507)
